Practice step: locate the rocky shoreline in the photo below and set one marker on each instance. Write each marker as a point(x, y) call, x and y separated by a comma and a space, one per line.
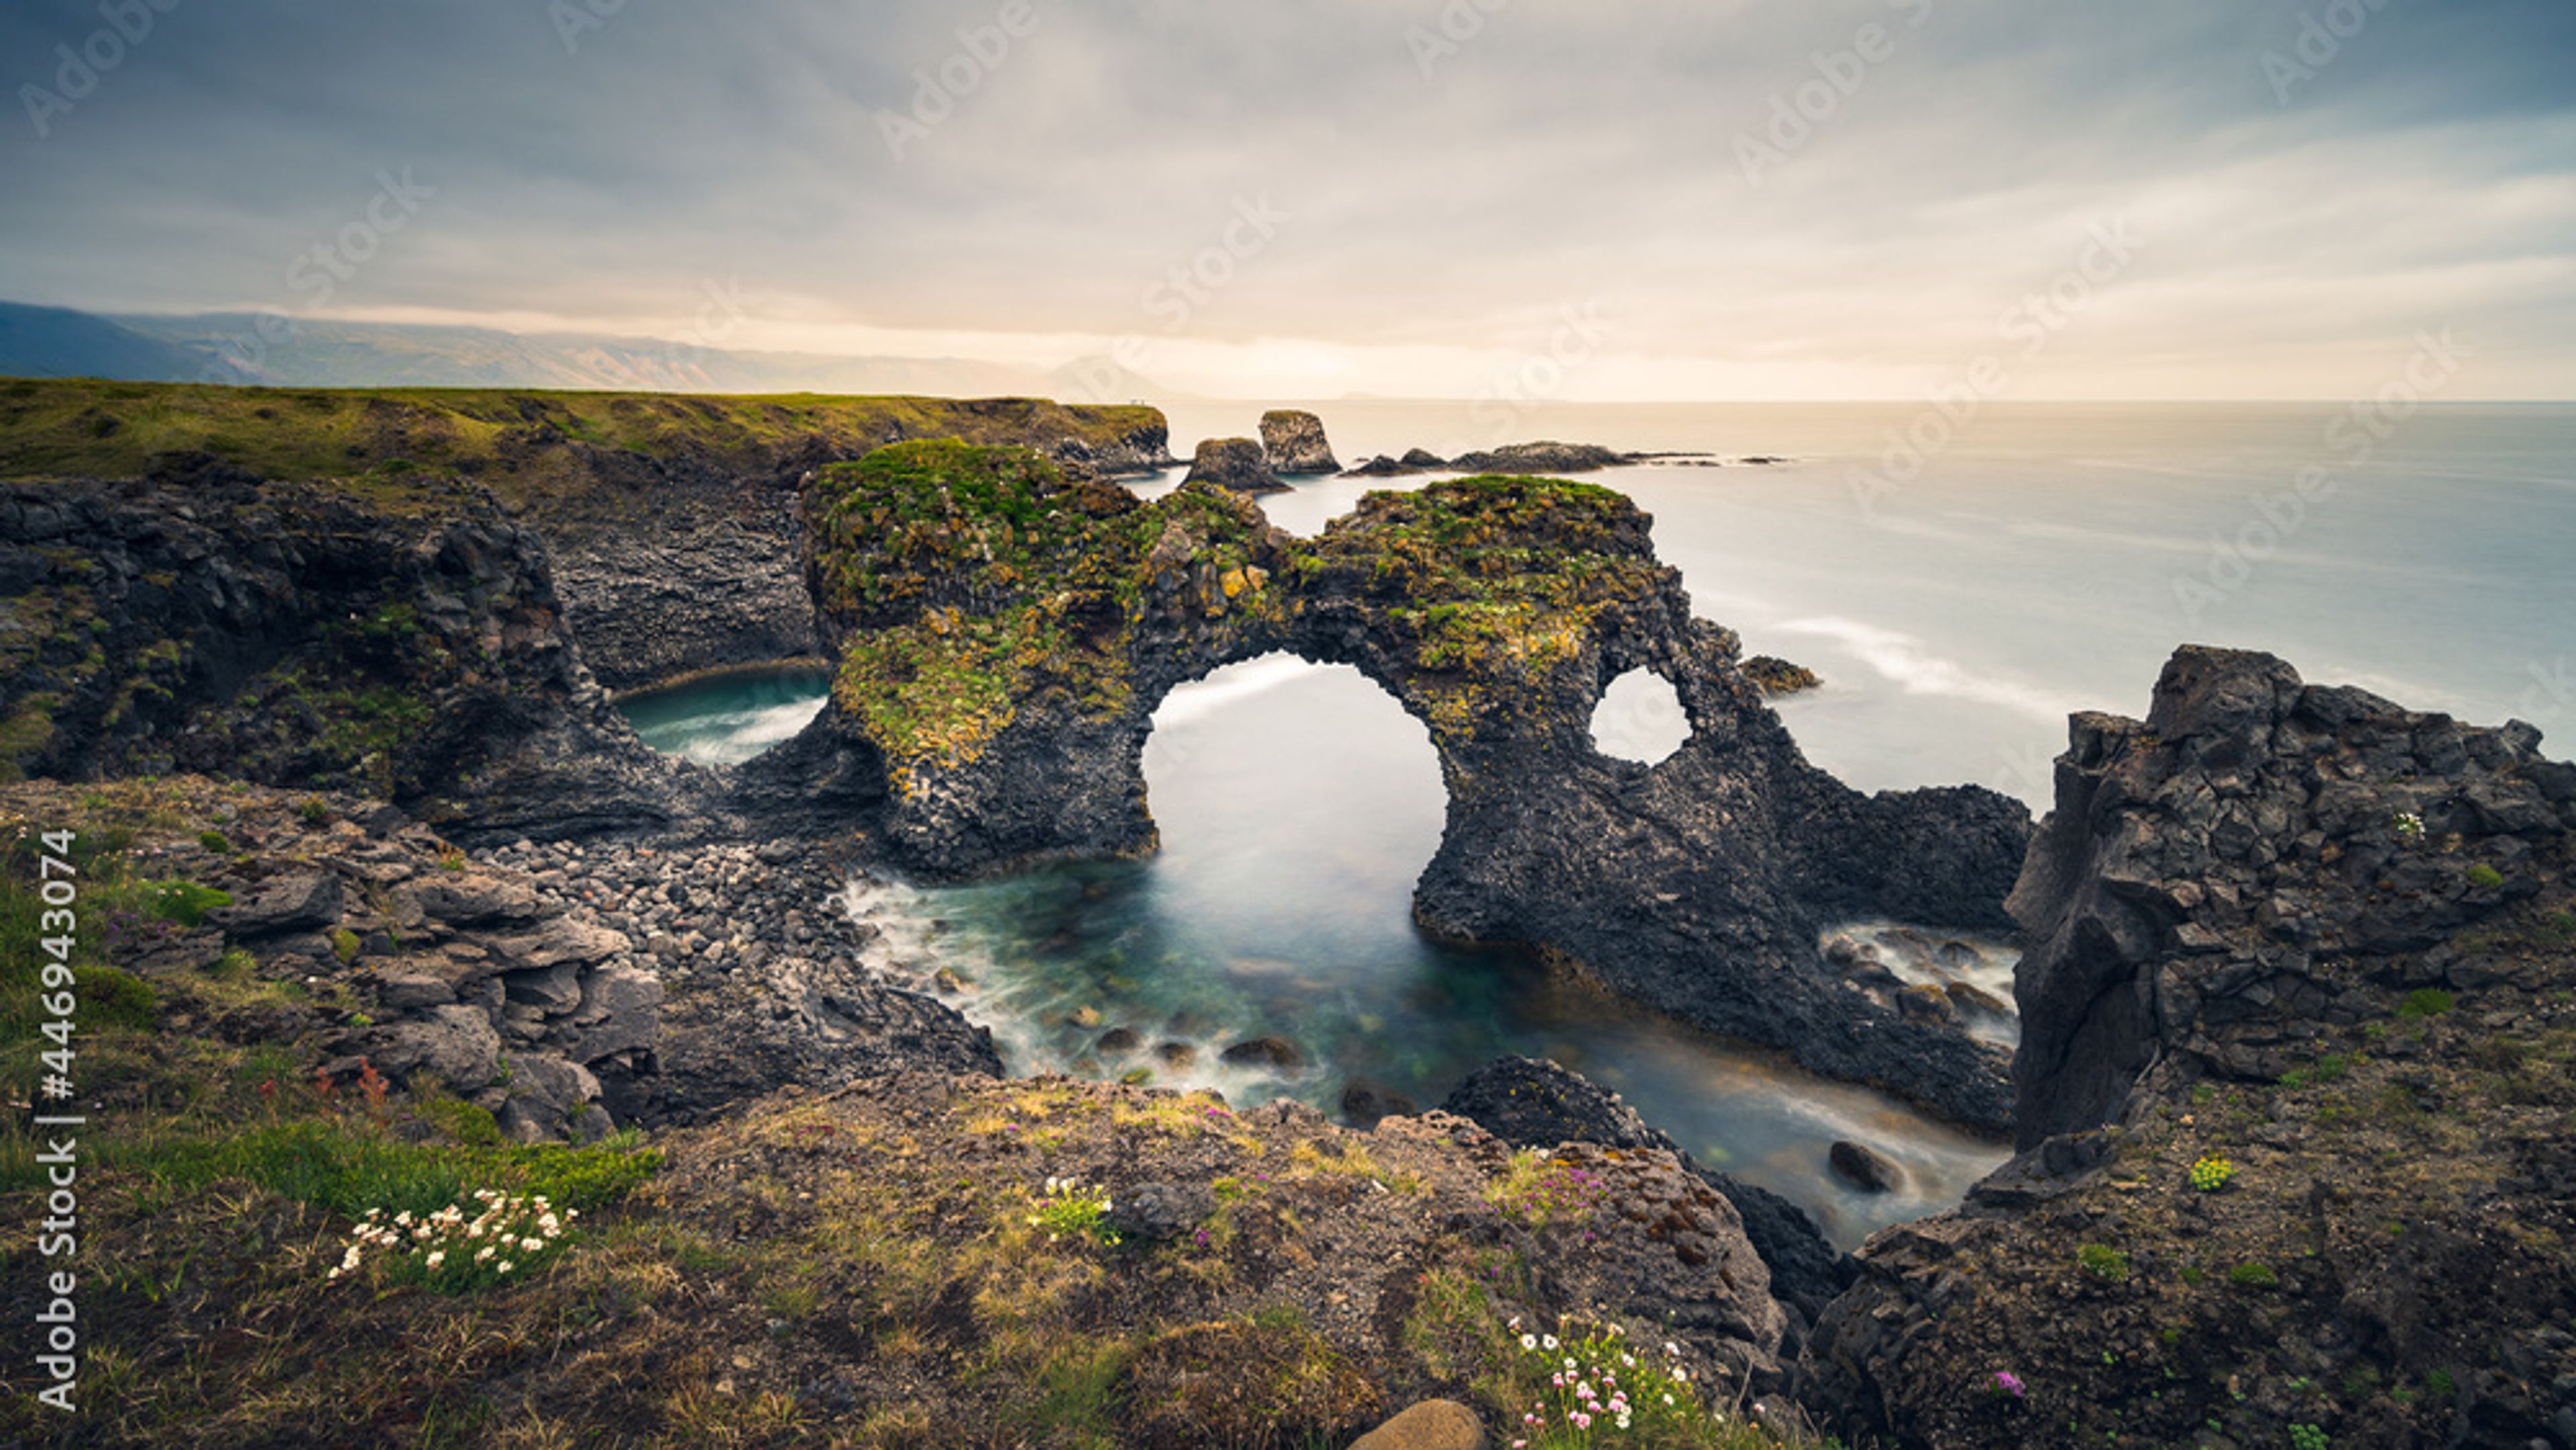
point(2291, 1097)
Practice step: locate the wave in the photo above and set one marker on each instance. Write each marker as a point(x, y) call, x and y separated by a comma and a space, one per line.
point(1903, 660)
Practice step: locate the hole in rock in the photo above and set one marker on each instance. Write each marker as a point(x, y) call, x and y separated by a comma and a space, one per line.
point(1639, 718)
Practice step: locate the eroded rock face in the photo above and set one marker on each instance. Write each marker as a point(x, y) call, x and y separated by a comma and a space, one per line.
point(2300, 990)
point(1294, 443)
point(1234, 463)
point(1495, 610)
point(2209, 878)
point(281, 634)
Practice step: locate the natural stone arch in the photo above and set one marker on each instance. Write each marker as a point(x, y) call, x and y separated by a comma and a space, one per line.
point(1005, 632)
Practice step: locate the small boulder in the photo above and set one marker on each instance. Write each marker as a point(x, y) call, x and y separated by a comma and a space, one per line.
point(1364, 1103)
point(1864, 1168)
point(294, 902)
point(1117, 1042)
point(1277, 1052)
point(1177, 1054)
point(1430, 1425)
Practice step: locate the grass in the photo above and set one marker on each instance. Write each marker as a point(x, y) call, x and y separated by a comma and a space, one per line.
point(412, 449)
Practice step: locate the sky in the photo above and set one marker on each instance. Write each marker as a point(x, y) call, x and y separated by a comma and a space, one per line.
point(1651, 200)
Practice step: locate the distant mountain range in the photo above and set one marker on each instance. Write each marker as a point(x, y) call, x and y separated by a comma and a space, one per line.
point(232, 347)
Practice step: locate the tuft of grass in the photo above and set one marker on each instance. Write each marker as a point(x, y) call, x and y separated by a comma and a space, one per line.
point(2425, 1002)
point(2254, 1276)
point(2103, 1262)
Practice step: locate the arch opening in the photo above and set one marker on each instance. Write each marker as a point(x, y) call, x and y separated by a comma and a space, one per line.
point(1640, 718)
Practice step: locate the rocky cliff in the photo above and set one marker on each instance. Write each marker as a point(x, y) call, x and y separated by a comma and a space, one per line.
point(1004, 632)
point(647, 500)
point(1294, 442)
point(2298, 1013)
point(284, 634)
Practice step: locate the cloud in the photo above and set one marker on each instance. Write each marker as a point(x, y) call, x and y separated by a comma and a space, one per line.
point(1560, 153)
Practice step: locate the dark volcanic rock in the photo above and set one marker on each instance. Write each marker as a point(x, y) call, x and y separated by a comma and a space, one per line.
point(1541, 458)
point(1276, 1052)
point(1533, 1103)
point(1864, 1167)
point(1779, 677)
point(1697, 886)
point(1160, 1211)
point(1415, 460)
point(281, 634)
point(1234, 463)
point(2203, 872)
point(2325, 940)
point(1365, 1104)
point(1294, 442)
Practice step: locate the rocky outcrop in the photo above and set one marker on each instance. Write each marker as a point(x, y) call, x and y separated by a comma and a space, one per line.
point(1494, 610)
point(2210, 878)
point(2296, 1135)
point(1415, 460)
point(286, 635)
point(1544, 457)
point(1293, 441)
point(1534, 1103)
point(1777, 676)
point(1234, 463)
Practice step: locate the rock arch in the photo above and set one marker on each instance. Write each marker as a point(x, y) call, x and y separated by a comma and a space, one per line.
point(1005, 631)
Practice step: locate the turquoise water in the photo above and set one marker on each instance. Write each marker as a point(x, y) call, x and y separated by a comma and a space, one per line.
point(2037, 566)
point(727, 719)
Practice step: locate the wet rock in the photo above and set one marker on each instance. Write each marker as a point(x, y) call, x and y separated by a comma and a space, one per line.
point(1971, 998)
point(1176, 1054)
point(1541, 458)
point(1864, 1167)
point(1272, 1052)
point(1118, 1042)
point(1926, 1004)
point(1294, 442)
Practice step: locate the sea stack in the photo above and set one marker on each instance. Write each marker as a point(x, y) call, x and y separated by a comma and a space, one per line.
point(1235, 463)
point(1294, 441)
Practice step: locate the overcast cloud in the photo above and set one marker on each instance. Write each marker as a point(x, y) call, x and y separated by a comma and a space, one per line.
point(1406, 210)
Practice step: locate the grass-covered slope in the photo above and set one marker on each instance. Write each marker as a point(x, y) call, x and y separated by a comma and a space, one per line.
point(562, 456)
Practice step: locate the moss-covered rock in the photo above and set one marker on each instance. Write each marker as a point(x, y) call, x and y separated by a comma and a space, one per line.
point(1004, 631)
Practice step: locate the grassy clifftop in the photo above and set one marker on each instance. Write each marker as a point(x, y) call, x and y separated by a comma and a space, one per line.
point(555, 454)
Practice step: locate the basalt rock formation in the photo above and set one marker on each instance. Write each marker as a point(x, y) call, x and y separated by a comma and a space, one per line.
point(1543, 457)
point(2299, 1133)
point(285, 635)
point(1294, 443)
point(1234, 463)
point(1005, 632)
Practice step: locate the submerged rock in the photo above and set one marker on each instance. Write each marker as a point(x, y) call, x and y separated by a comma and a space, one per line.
point(1294, 442)
point(1275, 1052)
point(1541, 458)
point(1864, 1167)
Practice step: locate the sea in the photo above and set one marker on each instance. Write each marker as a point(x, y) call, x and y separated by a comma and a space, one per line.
point(1962, 580)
